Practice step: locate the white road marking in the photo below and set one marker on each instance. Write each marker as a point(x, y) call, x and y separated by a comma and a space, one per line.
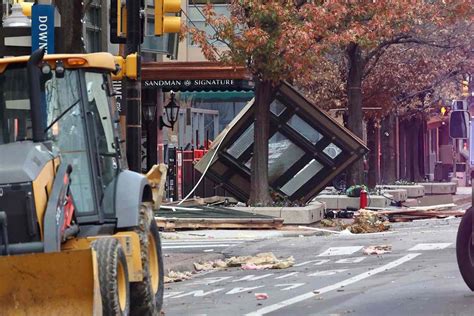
point(252, 277)
point(196, 246)
point(351, 260)
point(212, 280)
point(315, 262)
point(243, 289)
point(202, 241)
point(169, 294)
point(327, 272)
point(354, 279)
point(286, 275)
point(197, 293)
point(290, 286)
point(340, 251)
point(421, 247)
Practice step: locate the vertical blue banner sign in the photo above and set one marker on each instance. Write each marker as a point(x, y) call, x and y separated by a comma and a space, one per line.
point(42, 27)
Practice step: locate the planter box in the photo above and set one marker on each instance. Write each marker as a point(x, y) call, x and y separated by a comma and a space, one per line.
point(309, 214)
point(413, 191)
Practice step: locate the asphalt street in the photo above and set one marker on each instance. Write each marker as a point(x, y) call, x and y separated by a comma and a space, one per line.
point(332, 276)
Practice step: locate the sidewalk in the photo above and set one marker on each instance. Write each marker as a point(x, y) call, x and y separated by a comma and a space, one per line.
point(463, 196)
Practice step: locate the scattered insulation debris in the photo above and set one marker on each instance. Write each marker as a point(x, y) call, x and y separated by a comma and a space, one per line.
point(366, 221)
point(177, 276)
point(261, 296)
point(260, 261)
point(377, 250)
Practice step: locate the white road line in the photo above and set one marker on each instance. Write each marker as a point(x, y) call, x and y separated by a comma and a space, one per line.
point(203, 242)
point(289, 286)
point(315, 262)
point(327, 272)
point(286, 275)
point(351, 260)
point(252, 277)
point(437, 246)
point(354, 279)
point(340, 251)
point(212, 240)
point(195, 246)
point(237, 290)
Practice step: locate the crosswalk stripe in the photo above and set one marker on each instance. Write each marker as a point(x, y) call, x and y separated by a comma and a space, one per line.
point(340, 251)
point(434, 246)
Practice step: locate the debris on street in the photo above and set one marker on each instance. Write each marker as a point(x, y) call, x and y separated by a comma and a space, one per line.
point(377, 250)
point(267, 259)
point(260, 261)
point(426, 212)
point(210, 265)
point(368, 222)
point(177, 276)
point(261, 296)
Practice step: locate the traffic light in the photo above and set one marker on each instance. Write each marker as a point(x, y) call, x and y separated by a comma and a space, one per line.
point(465, 88)
point(118, 22)
point(445, 110)
point(127, 67)
point(165, 23)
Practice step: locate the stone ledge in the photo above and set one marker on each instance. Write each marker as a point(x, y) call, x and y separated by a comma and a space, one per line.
point(432, 188)
point(413, 190)
point(304, 215)
point(430, 200)
point(339, 202)
point(398, 195)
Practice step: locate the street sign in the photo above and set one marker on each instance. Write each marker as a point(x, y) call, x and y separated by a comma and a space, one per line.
point(42, 27)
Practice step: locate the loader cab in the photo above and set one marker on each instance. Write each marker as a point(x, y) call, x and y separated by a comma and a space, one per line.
point(74, 112)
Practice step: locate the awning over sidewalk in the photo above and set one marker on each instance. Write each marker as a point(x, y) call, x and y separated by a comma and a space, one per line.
point(307, 149)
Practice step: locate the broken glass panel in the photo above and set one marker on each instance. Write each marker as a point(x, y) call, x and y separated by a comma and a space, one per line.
point(242, 143)
point(277, 108)
point(303, 176)
point(282, 154)
point(308, 132)
point(332, 151)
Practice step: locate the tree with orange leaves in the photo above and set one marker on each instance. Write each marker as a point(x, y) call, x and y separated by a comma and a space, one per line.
point(283, 40)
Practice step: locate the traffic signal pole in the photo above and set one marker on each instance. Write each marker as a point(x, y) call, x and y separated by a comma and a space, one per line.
point(132, 89)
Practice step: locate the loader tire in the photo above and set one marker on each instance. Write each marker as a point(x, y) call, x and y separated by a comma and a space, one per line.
point(147, 296)
point(113, 277)
point(465, 249)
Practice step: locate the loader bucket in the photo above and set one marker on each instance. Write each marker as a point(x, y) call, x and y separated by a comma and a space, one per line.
point(62, 283)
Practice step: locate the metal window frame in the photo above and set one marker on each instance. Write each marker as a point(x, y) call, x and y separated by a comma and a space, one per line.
point(234, 168)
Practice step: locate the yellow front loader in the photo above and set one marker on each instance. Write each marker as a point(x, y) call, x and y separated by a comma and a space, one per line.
point(77, 232)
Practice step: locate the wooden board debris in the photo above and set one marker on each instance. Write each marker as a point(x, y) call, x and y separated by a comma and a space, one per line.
point(172, 223)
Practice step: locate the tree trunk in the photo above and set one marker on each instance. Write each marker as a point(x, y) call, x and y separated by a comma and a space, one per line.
point(372, 143)
point(413, 150)
point(403, 151)
point(388, 148)
point(356, 66)
point(259, 189)
point(70, 39)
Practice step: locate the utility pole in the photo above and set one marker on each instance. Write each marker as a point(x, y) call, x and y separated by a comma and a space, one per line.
point(133, 89)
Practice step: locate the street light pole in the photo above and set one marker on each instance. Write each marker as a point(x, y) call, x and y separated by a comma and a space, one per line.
point(132, 89)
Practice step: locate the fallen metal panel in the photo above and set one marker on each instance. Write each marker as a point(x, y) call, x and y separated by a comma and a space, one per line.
point(307, 149)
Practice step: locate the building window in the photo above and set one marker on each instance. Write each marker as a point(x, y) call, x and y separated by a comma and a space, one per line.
point(93, 27)
point(195, 15)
